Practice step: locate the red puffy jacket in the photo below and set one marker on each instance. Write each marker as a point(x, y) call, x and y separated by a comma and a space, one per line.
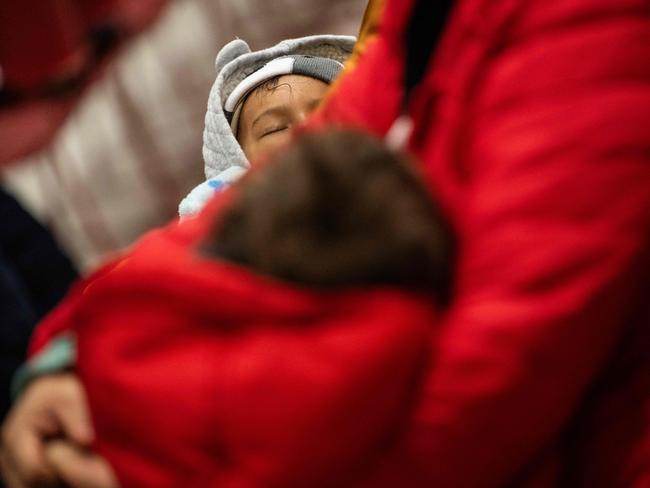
point(531, 123)
point(199, 373)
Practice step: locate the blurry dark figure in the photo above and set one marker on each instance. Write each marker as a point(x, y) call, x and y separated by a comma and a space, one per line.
point(338, 209)
point(34, 276)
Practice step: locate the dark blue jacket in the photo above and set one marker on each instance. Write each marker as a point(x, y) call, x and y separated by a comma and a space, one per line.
point(34, 276)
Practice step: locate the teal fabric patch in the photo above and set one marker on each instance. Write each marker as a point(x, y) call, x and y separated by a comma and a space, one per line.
point(57, 357)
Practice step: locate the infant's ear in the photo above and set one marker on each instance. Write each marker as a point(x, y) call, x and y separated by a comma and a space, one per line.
point(231, 51)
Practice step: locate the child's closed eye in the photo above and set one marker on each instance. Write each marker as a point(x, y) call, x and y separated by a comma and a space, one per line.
point(273, 130)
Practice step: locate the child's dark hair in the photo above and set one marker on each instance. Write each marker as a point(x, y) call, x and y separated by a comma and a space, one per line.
point(337, 209)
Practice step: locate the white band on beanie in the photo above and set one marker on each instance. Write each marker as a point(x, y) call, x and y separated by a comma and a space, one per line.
point(276, 67)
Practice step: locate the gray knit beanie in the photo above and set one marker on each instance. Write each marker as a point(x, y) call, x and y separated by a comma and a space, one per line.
point(323, 69)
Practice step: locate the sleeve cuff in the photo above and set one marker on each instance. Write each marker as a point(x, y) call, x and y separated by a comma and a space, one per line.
point(59, 356)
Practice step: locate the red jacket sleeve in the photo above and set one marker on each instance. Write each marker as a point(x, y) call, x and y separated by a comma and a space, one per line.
point(552, 205)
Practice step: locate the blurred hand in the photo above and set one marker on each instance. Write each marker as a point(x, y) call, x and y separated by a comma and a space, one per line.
point(51, 407)
point(78, 467)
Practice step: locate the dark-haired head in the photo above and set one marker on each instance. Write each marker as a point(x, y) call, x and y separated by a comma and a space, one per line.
point(338, 209)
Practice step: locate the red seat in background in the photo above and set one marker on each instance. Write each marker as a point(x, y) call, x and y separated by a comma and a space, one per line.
point(48, 54)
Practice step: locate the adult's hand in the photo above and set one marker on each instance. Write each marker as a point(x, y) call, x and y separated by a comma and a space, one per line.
point(78, 467)
point(51, 407)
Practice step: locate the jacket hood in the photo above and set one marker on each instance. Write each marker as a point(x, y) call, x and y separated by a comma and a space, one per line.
point(235, 62)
